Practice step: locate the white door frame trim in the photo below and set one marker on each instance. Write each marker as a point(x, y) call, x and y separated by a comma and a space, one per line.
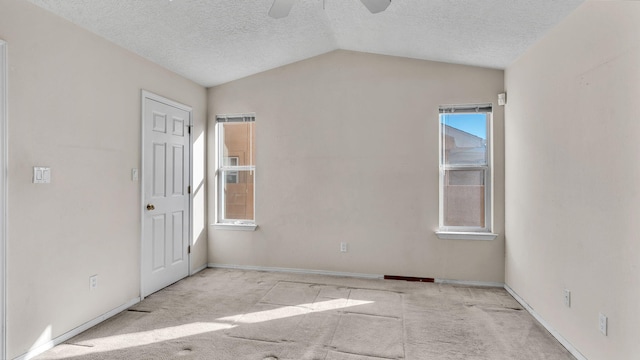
point(4, 102)
point(149, 95)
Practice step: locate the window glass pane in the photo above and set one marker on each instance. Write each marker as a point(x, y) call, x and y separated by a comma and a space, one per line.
point(464, 138)
point(239, 143)
point(238, 195)
point(231, 177)
point(464, 192)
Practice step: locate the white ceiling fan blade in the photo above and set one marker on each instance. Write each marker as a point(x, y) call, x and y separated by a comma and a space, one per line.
point(376, 6)
point(281, 8)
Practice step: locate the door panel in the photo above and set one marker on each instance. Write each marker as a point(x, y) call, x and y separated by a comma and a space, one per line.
point(178, 170)
point(166, 203)
point(157, 239)
point(178, 239)
point(159, 169)
point(159, 122)
point(178, 127)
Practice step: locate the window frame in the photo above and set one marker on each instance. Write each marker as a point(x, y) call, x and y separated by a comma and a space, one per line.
point(222, 170)
point(466, 232)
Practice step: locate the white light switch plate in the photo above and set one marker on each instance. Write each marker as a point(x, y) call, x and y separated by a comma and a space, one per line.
point(41, 175)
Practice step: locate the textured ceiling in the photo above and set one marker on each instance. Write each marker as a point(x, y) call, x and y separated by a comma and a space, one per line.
point(216, 41)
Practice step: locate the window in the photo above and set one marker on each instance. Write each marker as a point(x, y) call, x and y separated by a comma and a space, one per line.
point(235, 193)
point(465, 169)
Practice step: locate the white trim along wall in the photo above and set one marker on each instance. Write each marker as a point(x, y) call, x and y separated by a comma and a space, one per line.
point(76, 331)
point(3, 192)
point(561, 339)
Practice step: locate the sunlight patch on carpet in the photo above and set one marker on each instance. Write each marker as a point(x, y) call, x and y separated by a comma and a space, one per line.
point(118, 342)
point(288, 311)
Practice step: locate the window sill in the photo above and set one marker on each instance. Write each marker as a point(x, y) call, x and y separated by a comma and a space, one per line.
point(459, 235)
point(236, 227)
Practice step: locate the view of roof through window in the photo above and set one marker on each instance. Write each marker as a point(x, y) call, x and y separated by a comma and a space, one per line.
point(465, 136)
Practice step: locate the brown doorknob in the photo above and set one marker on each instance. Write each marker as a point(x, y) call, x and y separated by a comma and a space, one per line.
point(150, 207)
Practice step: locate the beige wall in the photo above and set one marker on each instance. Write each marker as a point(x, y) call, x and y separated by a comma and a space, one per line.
point(573, 177)
point(347, 151)
point(74, 105)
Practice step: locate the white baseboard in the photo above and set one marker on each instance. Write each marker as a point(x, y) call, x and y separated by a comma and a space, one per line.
point(295, 271)
point(546, 325)
point(68, 335)
point(347, 274)
point(470, 283)
point(197, 270)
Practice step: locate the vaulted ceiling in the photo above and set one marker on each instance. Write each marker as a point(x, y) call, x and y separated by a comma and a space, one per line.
point(215, 41)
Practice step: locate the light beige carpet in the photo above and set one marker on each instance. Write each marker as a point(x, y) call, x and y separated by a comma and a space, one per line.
point(232, 314)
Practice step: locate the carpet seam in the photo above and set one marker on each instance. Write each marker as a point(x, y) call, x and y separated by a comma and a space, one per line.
point(335, 330)
point(373, 315)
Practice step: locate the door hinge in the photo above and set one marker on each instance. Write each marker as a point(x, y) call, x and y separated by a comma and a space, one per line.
point(189, 249)
point(189, 189)
point(189, 128)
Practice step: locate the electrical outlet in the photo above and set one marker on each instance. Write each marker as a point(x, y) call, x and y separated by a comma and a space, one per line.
point(602, 324)
point(93, 282)
point(343, 247)
point(566, 294)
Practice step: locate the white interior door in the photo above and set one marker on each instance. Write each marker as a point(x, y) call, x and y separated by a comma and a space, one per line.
point(166, 204)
